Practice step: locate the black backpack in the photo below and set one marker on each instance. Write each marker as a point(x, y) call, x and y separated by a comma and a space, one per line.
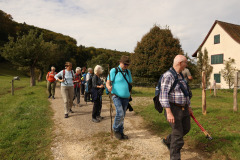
point(89, 84)
point(186, 93)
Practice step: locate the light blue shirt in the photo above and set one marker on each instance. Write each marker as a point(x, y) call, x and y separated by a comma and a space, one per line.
point(119, 84)
point(68, 78)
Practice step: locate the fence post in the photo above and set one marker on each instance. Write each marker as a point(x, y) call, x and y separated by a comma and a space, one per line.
point(12, 87)
point(235, 106)
point(204, 93)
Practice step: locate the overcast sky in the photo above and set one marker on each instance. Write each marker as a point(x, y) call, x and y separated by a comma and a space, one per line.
point(119, 24)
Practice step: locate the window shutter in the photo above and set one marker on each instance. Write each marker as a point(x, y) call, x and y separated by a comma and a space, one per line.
point(217, 39)
point(217, 78)
point(217, 59)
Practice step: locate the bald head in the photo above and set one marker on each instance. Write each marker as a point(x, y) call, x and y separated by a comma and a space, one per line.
point(180, 63)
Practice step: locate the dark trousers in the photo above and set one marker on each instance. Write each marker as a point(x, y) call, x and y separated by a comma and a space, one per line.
point(87, 96)
point(179, 129)
point(97, 107)
point(82, 89)
point(77, 94)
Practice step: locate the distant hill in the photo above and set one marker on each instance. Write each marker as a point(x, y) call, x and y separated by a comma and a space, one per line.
point(67, 46)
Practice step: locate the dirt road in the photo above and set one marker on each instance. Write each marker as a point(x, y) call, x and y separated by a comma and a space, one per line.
point(78, 138)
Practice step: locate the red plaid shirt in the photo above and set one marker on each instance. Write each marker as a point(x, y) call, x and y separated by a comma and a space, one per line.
point(77, 80)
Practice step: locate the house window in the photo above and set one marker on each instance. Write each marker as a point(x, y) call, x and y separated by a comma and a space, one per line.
point(217, 39)
point(217, 78)
point(217, 59)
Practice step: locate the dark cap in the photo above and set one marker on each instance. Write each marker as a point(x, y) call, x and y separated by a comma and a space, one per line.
point(125, 60)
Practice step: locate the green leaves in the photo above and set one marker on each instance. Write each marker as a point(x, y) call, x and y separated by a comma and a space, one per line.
point(155, 52)
point(30, 51)
point(228, 71)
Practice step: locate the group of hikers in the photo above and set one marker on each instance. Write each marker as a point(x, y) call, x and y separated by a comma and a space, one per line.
point(174, 96)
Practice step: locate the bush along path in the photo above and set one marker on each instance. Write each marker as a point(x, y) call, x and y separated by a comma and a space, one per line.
point(78, 138)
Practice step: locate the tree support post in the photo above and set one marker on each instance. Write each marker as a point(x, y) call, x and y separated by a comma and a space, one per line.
point(235, 106)
point(204, 93)
point(214, 88)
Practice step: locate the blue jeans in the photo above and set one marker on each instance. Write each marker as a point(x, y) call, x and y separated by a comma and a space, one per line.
point(121, 107)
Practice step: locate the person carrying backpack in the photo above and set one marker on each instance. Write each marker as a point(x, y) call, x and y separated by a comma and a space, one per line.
point(67, 88)
point(121, 80)
point(77, 83)
point(51, 82)
point(83, 80)
point(88, 86)
point(176, 104)
point(97, 92)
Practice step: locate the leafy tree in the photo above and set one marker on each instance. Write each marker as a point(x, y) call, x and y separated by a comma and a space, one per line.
point(106, 57)
point(228, 71)
point(29, 51)
point(154, 54)
point(203, 64)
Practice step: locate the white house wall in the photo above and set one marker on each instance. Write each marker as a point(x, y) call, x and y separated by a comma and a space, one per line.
point(227, 46)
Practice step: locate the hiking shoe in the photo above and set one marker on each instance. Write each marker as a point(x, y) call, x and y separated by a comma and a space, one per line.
point(100, 118)
point(124, 136)
point(53, 97)
point(66, 116)
point(71, 111)
point(95, 120)
point(118, 135)
point(164, 141)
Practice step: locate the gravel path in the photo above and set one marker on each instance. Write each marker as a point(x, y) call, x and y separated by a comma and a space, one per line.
point(78, 138)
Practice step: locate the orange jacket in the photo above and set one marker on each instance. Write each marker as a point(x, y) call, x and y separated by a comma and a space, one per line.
point(50, 76)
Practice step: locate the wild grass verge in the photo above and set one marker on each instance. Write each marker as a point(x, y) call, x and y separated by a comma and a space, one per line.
point(25, 124)
point(220, 122)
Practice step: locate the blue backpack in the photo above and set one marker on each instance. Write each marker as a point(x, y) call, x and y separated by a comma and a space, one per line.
point(186, 93)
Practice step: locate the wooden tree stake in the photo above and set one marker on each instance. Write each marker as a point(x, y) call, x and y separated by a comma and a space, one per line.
point(235, 106)
point(214, 88)
point(204, 93)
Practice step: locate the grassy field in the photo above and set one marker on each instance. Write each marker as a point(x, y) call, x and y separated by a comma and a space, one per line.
point(220, 122)
point(25, 119)
point(6, 75)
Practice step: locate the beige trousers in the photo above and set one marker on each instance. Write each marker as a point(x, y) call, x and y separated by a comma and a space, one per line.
point(67, 94)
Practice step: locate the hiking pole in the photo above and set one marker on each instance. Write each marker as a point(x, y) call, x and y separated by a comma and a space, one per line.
point(208, 136)
point(110, 97)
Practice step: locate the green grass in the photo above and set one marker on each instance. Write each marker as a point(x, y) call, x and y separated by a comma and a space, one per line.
point(7, 72)
point(25, 121)
point(143, 92)
point(220, 122)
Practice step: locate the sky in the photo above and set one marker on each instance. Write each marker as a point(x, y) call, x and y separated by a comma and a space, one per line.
point(120, 24)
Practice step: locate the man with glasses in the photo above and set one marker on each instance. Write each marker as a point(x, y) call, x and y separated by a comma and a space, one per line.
point(67, 89)
point(176, 104)
point(119, 84)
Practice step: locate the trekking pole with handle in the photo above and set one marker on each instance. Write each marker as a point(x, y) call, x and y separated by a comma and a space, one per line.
point(208, 136)
point(110, 97)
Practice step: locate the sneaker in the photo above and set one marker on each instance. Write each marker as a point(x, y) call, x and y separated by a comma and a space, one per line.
point(124, 136)
point(53, 97)
point(66, 116)
point(95, 120)
point(71, 111)
point(164, 141)
point(49, 96)
point(118, 135)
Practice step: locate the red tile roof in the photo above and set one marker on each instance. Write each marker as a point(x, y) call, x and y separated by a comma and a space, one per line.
point(232, 29)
